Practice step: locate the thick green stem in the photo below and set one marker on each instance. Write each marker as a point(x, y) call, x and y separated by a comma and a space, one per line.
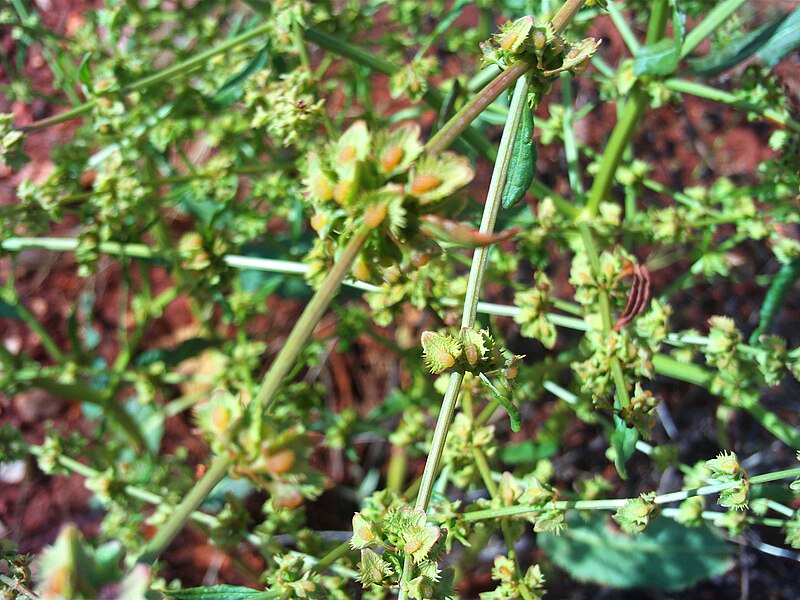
point(190, 503)
point(626, 126)
point(690, 373)
point(619, 140)
point(657, 23)
point(774, 424)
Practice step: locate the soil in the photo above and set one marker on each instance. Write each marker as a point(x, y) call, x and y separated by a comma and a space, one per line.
point(689, 144)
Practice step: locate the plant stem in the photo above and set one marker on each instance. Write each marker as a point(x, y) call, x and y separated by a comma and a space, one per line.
point(331, 557)
point(266, 394)
point(570, 144)
point(623, 28)
point(612, 504)
point(479, 258)
point(432, 96)
point(301, 332)
point(619, 140)
point(486, 475)
point(453, 128)
point(710, 93)
point(626, 125)
point(175, 70)
point(565, 14)
point(657, 23)
point(81, 392)
point(718, 15)
point(690, 373)
point(774, 424)
point(17, 587)
point(189, 504)
point(604, 309)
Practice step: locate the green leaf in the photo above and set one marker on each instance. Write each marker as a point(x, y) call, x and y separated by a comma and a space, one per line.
point(85, 73)
point(738, 50)
point(176, 355)
point(660, 58)
point(623, 441)
point(232, 90)
point(666, 556)
point(528, 452)
point(785, 39)
point(214, 592)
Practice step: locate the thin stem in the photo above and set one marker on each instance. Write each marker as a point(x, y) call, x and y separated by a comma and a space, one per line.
point(718, 15)
point(331, 557)
point(175, 70)
point(453, 128)
point(131, 490)
point(432, 96)
point(493, 201)
point(623, 28)
point(312, 314)
point(486, 475)
point(190, 503)
point(570, 144)
point(604, 309)
point(613, 504)
point(83, 393)
point(266, 394)
point(710, 93)
point(479, 258)
point(37, 328)
point(17, 587)
point(565, 14)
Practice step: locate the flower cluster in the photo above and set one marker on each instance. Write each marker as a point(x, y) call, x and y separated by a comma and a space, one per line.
point(511, 586)
point(401, 532)
point(637, 513)
point(725, 468)
point(527, 39)
point(273, 454)
point(385, 180)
